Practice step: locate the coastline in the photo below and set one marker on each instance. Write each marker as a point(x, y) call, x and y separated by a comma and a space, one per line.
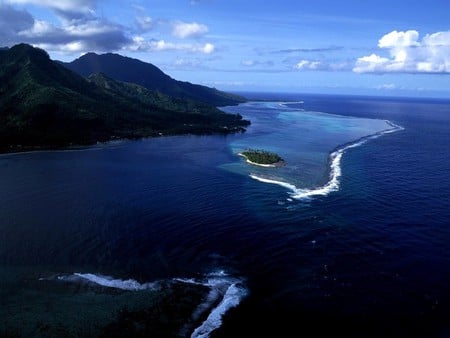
point(335, 172)
point(21, 149)
point(272, 165)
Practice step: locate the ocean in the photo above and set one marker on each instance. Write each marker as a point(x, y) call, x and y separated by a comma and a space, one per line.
point(351, 237)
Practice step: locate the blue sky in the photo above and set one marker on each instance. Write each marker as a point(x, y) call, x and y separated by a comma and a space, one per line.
point(348, 47)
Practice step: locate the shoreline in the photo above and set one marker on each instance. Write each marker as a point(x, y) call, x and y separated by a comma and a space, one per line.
point(271, 165)
point(45, 149)
point(22, 149)
point(334, 164)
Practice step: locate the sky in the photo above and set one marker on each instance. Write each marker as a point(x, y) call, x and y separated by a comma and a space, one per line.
point(390, 48)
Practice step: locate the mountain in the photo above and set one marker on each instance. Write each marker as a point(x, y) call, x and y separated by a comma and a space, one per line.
point(149, 76)
point(44, 104)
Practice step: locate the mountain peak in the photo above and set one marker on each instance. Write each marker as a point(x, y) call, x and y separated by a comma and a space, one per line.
point(126, 69)
point(25, 50)
point(24, 56)
point(117, 66)
point(45, 104)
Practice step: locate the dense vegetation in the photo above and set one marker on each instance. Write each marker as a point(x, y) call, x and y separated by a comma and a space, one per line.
point(43, 104)
point(149, 76)
point(262, 156)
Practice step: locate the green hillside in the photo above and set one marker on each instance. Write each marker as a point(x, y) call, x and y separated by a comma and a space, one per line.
point(149, 76)
point(43, 104)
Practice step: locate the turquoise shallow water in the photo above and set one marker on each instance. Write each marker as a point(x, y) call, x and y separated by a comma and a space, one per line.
point(304, 139)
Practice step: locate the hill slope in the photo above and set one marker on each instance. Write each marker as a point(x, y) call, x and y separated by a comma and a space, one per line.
point(149, 76)
point(43, 104)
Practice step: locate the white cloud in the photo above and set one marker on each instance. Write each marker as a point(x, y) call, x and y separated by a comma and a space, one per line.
point(80, 30)
point(396, 39)
point(83, 36)
point(437, 39)
point(187, 62)
point(320, 65)
point(39, 28)
point(253, 63)
point(76, 6)
point(308, 65)
point(371, 63)
point(66, 48)
point(184, 30)
point(141, 44)
point(77, 32)
point(407, 53)
point(208, 48)
point(92, 28)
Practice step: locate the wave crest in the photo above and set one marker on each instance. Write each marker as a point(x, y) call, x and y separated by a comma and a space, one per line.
point(335, 169)
point(225, 293)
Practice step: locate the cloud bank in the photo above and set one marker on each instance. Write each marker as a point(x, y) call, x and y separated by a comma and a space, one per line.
point(99, 35)
point(60, 5)
point(79, 33)
point(12, 22)
point(79, 29)
point(64, 9)
point(407, 53)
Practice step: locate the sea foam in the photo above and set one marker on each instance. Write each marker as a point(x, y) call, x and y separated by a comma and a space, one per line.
point(225, 293)
point(232, 298)
point(335, 169)
point(107, 281)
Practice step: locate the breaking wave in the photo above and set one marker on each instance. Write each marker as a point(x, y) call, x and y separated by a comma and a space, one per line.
point(335, 169)
point(109, 282)
point(225, 293)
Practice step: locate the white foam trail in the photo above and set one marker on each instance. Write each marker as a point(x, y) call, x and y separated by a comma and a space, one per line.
point(395, 127)
point(285, 104)
point(227, 291)
point(228, 288)
point(106, 281)
point(266, 180)
point(232, 298)
point(335, 169)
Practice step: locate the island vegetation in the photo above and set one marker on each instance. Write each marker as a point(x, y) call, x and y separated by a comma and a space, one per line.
point(262, 157)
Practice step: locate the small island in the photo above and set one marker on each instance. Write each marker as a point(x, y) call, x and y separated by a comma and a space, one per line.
point(262, 158)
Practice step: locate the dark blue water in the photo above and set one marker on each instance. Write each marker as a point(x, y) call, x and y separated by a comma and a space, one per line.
point(370, 259)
